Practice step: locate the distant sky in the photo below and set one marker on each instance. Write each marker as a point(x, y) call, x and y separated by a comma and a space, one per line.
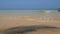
point(33, 4)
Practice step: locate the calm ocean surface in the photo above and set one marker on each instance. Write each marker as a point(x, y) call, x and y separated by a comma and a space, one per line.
point(29, 13)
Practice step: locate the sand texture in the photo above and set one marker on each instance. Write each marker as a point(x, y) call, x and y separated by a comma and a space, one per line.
point(29, 25)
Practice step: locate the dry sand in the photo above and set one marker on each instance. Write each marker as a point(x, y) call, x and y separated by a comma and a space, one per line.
point(14, 21)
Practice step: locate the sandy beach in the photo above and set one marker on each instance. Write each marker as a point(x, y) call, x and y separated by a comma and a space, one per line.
point(15, 21)
point(11, 21)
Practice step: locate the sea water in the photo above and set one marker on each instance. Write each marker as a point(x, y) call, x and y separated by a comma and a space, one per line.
point(29, 12)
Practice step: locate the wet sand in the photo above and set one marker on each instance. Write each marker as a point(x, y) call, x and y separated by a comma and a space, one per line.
point(37, 29)
point(43, 31)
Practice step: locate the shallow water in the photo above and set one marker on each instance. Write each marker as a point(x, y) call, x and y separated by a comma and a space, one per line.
point(29, 12)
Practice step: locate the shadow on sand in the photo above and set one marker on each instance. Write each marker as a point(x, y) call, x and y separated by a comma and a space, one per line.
point(24, 29)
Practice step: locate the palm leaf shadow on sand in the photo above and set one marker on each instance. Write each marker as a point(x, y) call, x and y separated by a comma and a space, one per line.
point(24, 29)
